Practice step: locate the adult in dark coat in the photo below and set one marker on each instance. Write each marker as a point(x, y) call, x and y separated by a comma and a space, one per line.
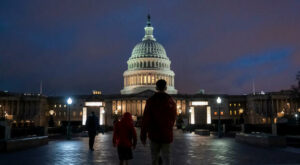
point(158, 121)
point(92, 125)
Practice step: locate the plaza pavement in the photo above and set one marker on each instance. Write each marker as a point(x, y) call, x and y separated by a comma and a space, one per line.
point(187, 149)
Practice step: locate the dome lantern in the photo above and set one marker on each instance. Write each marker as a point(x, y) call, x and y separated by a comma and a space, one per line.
point(149, 30)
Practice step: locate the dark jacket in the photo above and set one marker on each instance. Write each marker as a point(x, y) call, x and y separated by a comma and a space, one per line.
point(124, 132)
point(158, 119)
point(92, 124)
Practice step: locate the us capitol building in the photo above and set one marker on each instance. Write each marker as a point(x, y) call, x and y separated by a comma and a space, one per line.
point(148, 63)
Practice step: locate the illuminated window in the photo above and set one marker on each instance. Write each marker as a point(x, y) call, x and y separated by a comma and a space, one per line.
point(59, 105)
point(55, 105)
point(215, 113)
point(65, 105)
point(230, 112)
point(145, 79)
point(241, 111)
point(153, 82)
point(74, 114)
point(80, 113)
point(234, 112)
point(239, 105)
point(195, 103)
point(222, 113)
point(234, 104)
point(149, 79)
point(230, 105)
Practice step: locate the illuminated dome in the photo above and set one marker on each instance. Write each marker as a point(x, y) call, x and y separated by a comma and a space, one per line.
point(147, 64)
point(148, 49)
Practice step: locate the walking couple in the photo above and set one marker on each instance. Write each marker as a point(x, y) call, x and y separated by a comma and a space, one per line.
point(157, 123)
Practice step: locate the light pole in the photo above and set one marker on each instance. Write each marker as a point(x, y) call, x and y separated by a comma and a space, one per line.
point(69, 101)
point(219, 101)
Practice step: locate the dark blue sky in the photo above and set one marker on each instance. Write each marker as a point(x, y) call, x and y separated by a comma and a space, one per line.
point(77, 46)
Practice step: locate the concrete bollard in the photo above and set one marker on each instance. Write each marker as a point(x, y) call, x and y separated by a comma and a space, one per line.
point(243, 128)
point(7, 128)
point(224, 129)
point(45, 131)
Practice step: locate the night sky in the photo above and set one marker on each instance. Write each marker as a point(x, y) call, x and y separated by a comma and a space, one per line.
point(77, 46)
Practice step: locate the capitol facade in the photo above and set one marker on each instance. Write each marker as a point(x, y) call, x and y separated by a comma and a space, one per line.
point(148, 63)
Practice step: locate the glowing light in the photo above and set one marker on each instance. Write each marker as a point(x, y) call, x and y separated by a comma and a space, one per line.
point(51, 112)
point(102, 111)
point(93, 104)
point(241, 111)
point(219, 100)
point(69, 101)
point(192, 115)
point(208, 115)
point(199, 103)
point(84, 115)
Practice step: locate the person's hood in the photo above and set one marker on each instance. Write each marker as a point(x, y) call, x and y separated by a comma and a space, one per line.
point(127, 118)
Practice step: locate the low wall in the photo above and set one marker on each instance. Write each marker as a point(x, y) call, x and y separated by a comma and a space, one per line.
point(202, 132)
point(19, 144)
point(263, 140)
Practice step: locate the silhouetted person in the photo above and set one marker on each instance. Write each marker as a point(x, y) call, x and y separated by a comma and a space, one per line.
point(124, 137)
point(92, 124)
point(158, 121)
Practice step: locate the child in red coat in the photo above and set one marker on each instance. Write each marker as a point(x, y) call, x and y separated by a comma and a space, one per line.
point(124, 138)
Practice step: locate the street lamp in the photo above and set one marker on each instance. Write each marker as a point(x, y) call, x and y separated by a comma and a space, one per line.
point(69, 101)
point(219, 101)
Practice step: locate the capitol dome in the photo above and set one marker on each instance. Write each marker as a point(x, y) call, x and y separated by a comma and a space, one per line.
point(148, 63)
point(149, 48)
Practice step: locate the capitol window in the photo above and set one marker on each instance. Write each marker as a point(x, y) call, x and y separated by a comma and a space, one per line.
point(145, 79)
point(153, 79)
point(149, 79)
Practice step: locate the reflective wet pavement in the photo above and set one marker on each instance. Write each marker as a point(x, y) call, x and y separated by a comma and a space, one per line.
point(186, 149)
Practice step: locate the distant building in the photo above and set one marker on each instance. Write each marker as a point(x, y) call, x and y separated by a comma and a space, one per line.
point(147, 64)
point(24, 109)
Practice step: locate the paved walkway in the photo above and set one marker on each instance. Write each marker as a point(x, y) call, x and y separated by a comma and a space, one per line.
point(187, 149)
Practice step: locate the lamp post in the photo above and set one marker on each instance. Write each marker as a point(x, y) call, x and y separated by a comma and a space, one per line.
point(219, 101)
point(69, 101)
